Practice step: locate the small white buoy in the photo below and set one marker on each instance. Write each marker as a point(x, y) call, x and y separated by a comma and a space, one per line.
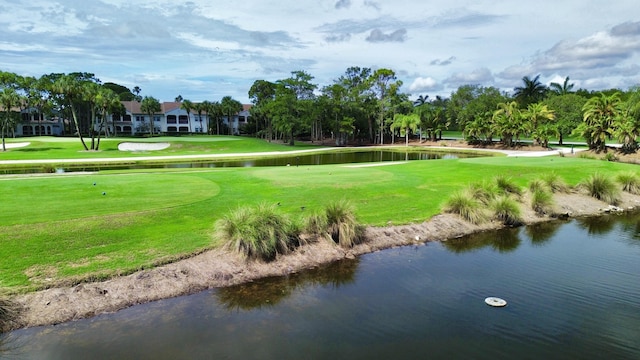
point(494, 301)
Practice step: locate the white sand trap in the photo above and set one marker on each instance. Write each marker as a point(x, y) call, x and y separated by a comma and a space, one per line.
point(135, 146)
point(16, 145)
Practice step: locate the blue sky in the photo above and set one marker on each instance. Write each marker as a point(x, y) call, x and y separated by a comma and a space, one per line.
point(207, 49)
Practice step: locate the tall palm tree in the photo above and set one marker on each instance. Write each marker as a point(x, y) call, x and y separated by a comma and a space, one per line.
point(532, 91)
point(204, 107)
point(562, 89)
point(421, 100)
point(107, 102)
point(507, 121)
point(187, 106)
point(71, 89)
point(9, 99)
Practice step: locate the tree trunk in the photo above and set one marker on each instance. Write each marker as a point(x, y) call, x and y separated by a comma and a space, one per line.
point(75, 121)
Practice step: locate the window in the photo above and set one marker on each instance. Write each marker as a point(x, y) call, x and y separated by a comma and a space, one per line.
point(183, 119)
point(184, 129)
point(172, 129)
point(171, 119)
point(156, 118)
point(127, 118)
point(139, 118)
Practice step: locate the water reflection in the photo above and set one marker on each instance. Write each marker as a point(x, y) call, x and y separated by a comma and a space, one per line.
point(597, 225)
point(542, 232)
point(505, 240)
point(269, 292)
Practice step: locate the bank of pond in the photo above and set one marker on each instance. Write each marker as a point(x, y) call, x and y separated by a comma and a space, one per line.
point(571, 288)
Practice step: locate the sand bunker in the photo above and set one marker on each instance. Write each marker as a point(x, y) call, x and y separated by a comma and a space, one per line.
point(134, 146)
point(16, 145)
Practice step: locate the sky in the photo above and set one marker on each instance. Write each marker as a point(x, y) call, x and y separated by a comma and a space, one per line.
point(208, 49)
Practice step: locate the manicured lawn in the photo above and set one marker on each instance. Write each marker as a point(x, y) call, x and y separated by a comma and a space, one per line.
point(63, 229)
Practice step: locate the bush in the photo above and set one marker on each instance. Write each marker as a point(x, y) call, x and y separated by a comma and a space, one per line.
point(541, 201)
point(538, 185)
point(507, 186)
point(467, 206)
point(342, 224)
point(630, 182)
point(258, 233)
point(508, 211)
point(602, 188)
point(555, 183)
point(610, 156)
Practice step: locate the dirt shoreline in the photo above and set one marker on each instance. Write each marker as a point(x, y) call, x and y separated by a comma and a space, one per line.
point(219, 268)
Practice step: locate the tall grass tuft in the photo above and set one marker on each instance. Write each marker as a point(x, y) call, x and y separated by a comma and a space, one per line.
point(541, 201)
point(8, 314)
point(484, 191)
point(258, 232)
point(556, 183)
point(467, 206)
point(508, 211)
point(342, 224)
point(602, 188)
point(538, 185)
point(630, 182)
point(507, 186)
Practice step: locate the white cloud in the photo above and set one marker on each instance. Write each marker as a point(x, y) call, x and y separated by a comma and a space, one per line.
point(423, 84)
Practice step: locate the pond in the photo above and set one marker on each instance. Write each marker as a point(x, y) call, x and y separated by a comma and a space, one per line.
point(573, 291)
point(297, 160)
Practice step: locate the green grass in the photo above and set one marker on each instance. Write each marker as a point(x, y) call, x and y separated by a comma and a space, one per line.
point(62, 230)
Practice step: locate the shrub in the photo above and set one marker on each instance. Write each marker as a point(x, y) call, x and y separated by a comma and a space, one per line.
point(259, 232)
point(630, 182)
point(602, 188)
point(508, 211)
point(507, 186)
point(555, 183)
point(342, 225)
point(467, 206)
point(541, 201)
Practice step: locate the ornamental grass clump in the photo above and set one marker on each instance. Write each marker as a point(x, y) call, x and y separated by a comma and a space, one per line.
point(630, 182)
point(8, 314)
point(541, 201)
point(342, 225)
point(467, 206)
point(538, 185)
point(507, 186)
point(484, 191)
point(507, 210)
point(602, 188)
point(258, 232)
point(555, 183)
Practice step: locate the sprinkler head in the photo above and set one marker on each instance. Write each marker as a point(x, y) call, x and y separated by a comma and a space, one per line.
point(104, 193)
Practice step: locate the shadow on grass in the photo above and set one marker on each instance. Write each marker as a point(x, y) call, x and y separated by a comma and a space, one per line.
point(32, 150)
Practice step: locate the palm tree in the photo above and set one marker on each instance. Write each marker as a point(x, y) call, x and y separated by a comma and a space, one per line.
point(599, 114)
point(203, 107)
point(107, 101)
point(9, 99)
point(562, 89)
point(421, 100)
point(150, 106)
point(71, 89)
point(539, 116)
point(187, 106)
point(405, 123)
point(507, 121)
point(626, 130)
point(214, 110)
point(532, 91)
point(230, 107)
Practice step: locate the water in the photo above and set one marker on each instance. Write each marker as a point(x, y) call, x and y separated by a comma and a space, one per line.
point(573, 291)
point(300, 160)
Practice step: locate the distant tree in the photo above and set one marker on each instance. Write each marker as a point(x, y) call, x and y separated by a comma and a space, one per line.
point(406, 124)
point(568, 112)
point(230, 107)
point(507, 121)
point(123, 92)
point(71, 90)
point(540, 122)
point(531, 92)
point(215, 112)
point(384, 83)
point(187, 106)
point(179, 98)
point(136, 90)
point(9, 99)
point(421, 100)
point(150, 106)
point(561, 89)
point(261, 93)
point(200, 108)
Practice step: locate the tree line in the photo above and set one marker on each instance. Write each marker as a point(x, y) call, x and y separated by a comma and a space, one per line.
point(360, 106)
point(364, 105)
